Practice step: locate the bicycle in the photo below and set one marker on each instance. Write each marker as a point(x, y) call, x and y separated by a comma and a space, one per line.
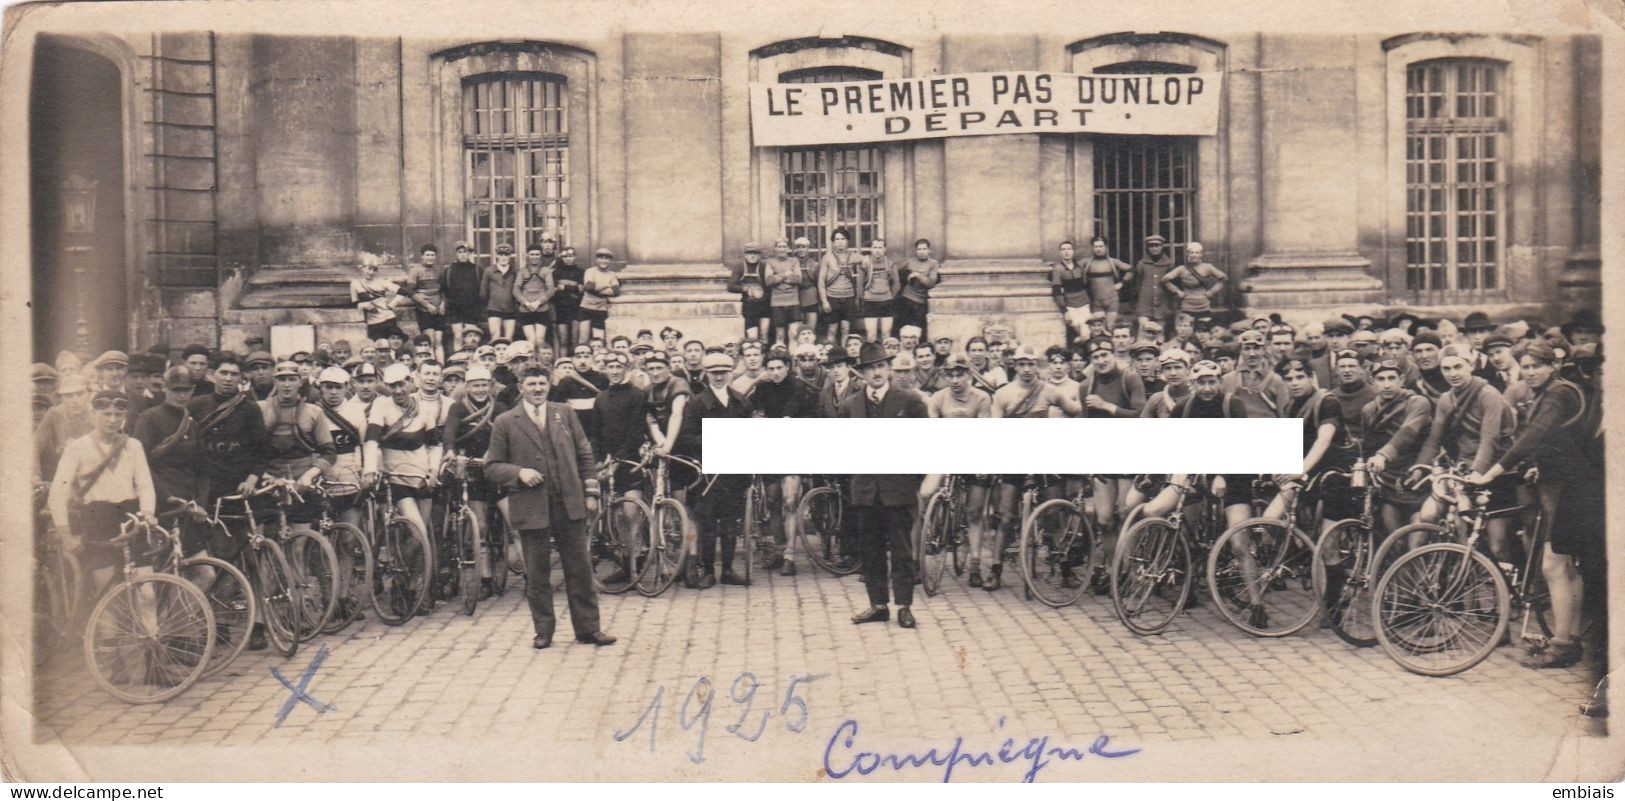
point(151, 635)
point(459, 546)
point(1342, 569)
point(1260, 570)
point(944, 533)
point(279, 594)
point(758, 519)
point(315, 563)
point(403, 557)
point(1158, 558)
point(671, 534)
point(825, 532)
point(1057, 538)
point(619, 537)
point(230, 596)
point(1442, 608)
point(351, 545)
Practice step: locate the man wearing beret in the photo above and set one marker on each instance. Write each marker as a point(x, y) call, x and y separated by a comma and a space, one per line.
point(884, 503)
point(1393, 426)
point(1429, 381)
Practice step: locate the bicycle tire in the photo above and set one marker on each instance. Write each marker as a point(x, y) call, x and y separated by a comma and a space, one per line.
point(666, 561)
point(496, 548)
point(353, 585)
point(1398, 542)
point(1343, 581)
point(402, 559)
point(59, 576)
point(750, 533)
point(610, 552)
point(279, 604)
point(231, 598)
point(180, 638)
point(1412, 608)
point(1152, 561)
point(1047, 557)
point(821, 512)
point(468, 559)
point(316, 568)
point(934, 554)
point(1287, 582)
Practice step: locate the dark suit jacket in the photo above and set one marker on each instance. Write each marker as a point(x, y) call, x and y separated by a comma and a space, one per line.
point(517, 443)
point(828, 404)
point(705, 404)
point(884, 490)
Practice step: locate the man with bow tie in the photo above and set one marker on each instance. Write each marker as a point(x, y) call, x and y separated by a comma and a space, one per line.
point(884, 503)
point(541, 454)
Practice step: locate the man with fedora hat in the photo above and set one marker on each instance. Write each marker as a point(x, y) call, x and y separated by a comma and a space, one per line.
point(884, 503)
point(839, 383)
point(1583, 328)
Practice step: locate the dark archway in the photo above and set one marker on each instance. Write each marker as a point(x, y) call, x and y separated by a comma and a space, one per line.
point(76, 159)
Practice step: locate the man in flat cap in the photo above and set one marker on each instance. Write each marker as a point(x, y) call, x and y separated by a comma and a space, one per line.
point(1155, 303)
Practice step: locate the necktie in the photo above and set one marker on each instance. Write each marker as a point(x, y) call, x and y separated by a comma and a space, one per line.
point(538, 416)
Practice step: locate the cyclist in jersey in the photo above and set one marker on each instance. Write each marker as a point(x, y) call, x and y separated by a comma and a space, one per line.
point(403, 441)
point(1393, 426)
point(960, 399)
point(467, 435)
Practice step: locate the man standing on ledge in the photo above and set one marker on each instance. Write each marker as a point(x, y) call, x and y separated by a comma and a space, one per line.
point(884, 503)
point(540, 453)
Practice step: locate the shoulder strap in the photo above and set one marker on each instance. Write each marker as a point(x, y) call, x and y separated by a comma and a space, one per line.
point(337, 419)
point(408, 413)
point(221, 412)
point(84, 481)
point(175, 437)
point(1026, 404)
point(1228, 397)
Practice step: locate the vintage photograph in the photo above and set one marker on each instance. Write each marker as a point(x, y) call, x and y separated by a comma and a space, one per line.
point(371, 348)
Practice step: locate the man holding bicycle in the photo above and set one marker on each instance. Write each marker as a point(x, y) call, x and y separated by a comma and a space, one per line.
point(101, 477)
point(466, 435)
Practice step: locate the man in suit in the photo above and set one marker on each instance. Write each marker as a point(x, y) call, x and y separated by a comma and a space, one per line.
point(540, 453)
point(884, 503)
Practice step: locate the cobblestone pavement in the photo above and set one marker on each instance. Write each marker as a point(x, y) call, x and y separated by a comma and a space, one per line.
point(1201, 700)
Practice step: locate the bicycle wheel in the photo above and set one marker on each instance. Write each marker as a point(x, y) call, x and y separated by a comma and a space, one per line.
point(231, 599)
point(1056, 542)
point(934, 541)
point(1441, 609)
point(665, 560)
point(1343, 581)
point(400, 576)
point(280, 604)
point(1151, 575)
point(461, 529)
point(58, 580)
point(1261, 574)
point(316, 568)
point(496, 548)
point(620, 545)
point(821, 511)
point(149, 638)
point(1404, 539)
point(354, 549)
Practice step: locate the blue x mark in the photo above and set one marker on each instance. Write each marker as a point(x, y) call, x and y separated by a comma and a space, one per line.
point(298, 693)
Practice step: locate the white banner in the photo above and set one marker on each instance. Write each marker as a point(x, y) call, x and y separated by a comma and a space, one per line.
point(983, 103)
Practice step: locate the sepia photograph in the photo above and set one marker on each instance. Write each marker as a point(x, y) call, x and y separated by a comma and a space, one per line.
point(372, 349)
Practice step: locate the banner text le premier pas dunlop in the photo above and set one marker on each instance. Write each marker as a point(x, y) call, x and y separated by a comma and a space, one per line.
point(982, 103)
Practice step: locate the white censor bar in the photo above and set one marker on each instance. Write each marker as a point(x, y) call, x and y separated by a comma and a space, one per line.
point(853, 446)
point(983, 103)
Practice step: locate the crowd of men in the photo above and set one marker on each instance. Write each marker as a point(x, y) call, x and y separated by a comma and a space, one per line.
point(1398, 392)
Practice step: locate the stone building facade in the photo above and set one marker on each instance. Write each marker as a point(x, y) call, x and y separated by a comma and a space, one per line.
point(237, 179)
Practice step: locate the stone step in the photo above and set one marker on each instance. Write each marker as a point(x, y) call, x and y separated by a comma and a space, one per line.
point(314, 274)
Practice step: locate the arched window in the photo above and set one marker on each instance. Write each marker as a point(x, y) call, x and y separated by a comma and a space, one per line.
point(829, 187)
point(1455, 174)
point(516, 141)
point(1145, 185)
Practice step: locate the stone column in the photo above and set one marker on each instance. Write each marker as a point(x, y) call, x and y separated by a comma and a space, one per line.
point(1308, 192)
